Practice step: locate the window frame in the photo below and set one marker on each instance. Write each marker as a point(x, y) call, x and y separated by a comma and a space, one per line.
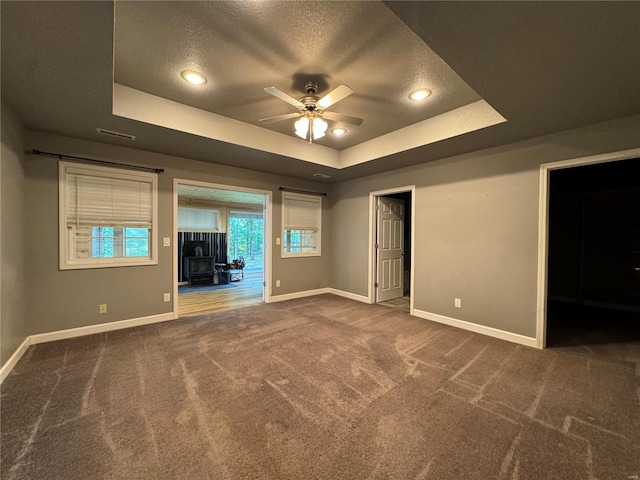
point(247, 214)
point(318, 231)
point(121, 246)
point(67, 234)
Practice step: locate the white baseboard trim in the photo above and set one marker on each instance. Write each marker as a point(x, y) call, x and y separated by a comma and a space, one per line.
point(294, 295)
point(352, 296)
point(319, 291)
point(474, 327)
point(77, 332)
point(13, 360)
point(99, 328)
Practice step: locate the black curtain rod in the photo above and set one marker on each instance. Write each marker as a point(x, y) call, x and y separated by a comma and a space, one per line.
point(104, 162)
point(285, 189)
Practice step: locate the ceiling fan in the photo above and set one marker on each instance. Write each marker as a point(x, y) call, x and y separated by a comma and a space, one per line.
point(312, 110)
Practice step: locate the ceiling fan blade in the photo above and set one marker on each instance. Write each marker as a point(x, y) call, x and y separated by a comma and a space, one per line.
point(278, 118)
point(338, 117)
point(283, 96)
point(334, 96)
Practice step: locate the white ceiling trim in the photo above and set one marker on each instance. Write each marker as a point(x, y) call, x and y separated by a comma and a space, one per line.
point(144, 107)
point(475, 116)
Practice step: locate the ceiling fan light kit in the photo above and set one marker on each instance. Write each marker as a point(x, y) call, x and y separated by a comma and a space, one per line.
point(311, 123)
point(317, 130)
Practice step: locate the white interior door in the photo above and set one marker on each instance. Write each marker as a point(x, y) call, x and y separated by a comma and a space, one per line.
point(389, 248)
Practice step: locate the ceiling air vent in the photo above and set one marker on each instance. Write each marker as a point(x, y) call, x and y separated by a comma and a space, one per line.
point(111, 133)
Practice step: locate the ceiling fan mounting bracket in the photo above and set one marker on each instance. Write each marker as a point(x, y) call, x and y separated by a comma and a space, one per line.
point(311, 88)
point(310, 101)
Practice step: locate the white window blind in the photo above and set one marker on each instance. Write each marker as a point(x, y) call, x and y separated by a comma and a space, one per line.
point(301, 220)
point(94, 199)
point(192, 219)
point(107, 216)
point(301, 212)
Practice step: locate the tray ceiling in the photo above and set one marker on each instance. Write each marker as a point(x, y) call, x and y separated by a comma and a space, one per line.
point(71, 67)
point(323, 42)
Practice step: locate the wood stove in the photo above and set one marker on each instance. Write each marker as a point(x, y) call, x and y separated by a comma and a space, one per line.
point(199, 270)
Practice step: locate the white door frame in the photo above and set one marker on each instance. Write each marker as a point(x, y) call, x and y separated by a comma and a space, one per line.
point(373, 197)
point(543, 223)
point(266, 289)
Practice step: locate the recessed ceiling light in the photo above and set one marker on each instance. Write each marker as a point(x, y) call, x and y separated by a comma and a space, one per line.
point(194, 77)
point(419, 94)
point(321, 175)
point(339, 131)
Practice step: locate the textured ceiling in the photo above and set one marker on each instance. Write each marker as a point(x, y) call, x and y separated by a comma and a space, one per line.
point(545, 66)
point(244, 46)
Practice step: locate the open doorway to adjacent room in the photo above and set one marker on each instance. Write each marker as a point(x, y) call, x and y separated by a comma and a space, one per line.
point(593, 256)
point(391, 248)
point(220, 247)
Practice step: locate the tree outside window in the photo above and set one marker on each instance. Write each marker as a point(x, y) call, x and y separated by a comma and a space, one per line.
point(246, 237)
point(115, 242)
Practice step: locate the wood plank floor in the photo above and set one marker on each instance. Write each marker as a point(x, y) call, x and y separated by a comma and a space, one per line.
point(244, 292)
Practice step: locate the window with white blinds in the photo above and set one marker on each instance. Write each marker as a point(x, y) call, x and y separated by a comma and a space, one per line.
point(301, 221)
point(193, 219)
point(107, 216)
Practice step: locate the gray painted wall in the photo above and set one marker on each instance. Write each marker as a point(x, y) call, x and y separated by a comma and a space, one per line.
point(476, 233)
point(13, 308)
point(68, 299)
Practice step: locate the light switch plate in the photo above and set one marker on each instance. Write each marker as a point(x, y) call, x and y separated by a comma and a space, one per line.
point(166, 241)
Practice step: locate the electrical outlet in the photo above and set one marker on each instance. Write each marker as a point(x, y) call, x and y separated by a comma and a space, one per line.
point(277, 283)
point(277, 241)
point(457, 302)
point(103, 308)
point(167, 297)
point(166, 241)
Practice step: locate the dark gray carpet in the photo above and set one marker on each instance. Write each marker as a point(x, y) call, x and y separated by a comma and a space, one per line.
point(318, 388)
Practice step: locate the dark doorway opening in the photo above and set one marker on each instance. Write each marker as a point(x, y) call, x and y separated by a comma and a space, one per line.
point(594, 256)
